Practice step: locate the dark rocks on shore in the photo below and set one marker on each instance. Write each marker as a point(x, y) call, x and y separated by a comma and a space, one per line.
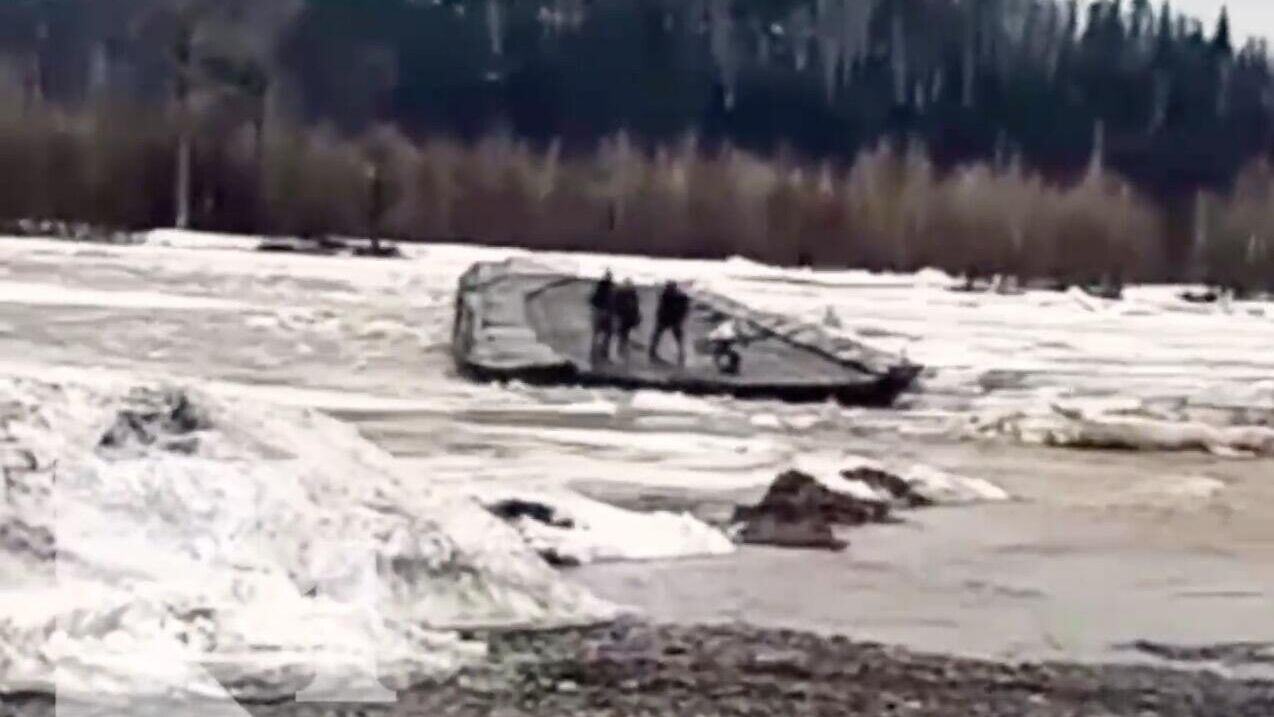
point(329, 246)
point(513, 510)
point(800, 512)
point(783, 529)
point(627, 669)
point(1209, 296)
point(516, 508)
point(901, 493)
point(379, 250)
point(168, 420)
point(18, 537)
point(1234, 653)
point(320, 246)
point(1215, 294)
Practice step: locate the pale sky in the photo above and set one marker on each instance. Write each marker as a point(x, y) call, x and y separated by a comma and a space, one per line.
point(1247, 17)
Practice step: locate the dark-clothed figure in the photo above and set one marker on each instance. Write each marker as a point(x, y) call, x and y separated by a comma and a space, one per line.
point(627, 314)
point(602, 306)
point(674, 307)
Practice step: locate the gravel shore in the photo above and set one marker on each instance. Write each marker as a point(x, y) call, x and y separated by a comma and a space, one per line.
point(738, 670)
point(638, 669)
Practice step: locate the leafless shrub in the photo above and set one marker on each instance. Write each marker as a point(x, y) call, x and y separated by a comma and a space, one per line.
point(1238, 248)
point(891, 209)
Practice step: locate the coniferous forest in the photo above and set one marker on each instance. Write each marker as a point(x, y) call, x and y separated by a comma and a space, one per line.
point(1030, 136)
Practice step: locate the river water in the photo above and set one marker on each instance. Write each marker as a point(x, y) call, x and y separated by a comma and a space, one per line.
point(1098, 549)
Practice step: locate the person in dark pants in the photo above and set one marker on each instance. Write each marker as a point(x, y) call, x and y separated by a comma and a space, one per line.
point(627, 314)
point(674, 307)
point(601, 304)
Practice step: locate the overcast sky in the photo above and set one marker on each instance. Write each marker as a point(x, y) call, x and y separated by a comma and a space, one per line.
point(1247, 17)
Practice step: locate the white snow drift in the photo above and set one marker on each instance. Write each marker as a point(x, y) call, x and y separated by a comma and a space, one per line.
point(266, 546)
point(931, 484)
point(578, 530)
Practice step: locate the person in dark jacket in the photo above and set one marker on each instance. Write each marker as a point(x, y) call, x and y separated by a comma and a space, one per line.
point(674, 307)
point(602, 306)
point(627, 314)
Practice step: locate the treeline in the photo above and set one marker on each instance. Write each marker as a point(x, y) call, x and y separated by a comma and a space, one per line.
point(885, 133)
point(890, 209)
point(826, 77)
point(1182, 107)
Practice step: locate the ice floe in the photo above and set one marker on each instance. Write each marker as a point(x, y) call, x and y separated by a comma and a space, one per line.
point(571, 529)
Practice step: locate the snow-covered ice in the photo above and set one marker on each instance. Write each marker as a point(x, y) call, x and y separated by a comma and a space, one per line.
point(367, 341)
point(582, 530)
point(1130, 426)
point(39, 294)
point(128, 566)
point(932, 484)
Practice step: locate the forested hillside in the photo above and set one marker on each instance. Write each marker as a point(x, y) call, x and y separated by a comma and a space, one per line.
point(1051, 90)
point(1181, 105)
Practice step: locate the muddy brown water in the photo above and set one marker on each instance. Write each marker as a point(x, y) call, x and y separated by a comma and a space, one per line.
point(1076, 572)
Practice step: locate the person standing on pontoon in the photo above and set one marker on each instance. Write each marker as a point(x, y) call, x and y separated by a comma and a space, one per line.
point(602, 307)
point(627, 315)
point(674, 307)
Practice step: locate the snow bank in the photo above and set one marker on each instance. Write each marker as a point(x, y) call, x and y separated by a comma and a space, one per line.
point(570, 529)
point(269, 546)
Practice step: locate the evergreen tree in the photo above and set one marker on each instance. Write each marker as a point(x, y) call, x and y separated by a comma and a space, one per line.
point(1221, 38)
point(822, 78)
point(1140, 20)
point(1164, 38)
point(1115, 22)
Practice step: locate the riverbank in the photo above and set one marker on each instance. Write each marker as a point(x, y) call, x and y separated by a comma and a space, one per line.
point(639, 669)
